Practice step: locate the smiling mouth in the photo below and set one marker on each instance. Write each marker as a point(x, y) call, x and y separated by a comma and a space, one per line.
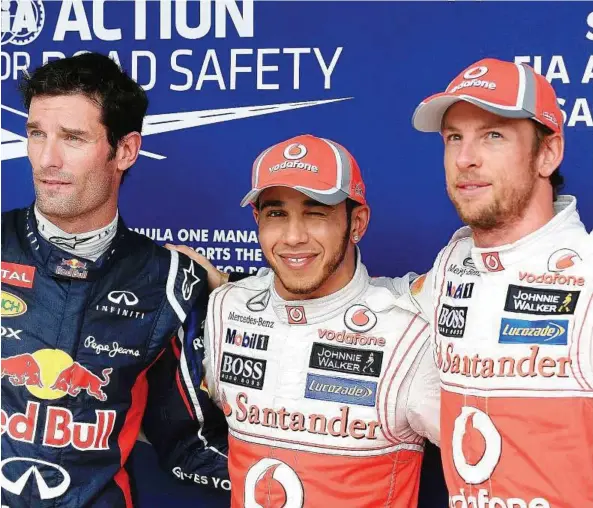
point(472, 187)
point(297, 261)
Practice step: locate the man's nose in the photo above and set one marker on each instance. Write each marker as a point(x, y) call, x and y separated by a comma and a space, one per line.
point(468, 155)
point(296, 232)
point(50, 155)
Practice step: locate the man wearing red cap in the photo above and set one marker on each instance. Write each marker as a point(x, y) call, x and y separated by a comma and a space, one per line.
point(510, 299)
point(327, 380)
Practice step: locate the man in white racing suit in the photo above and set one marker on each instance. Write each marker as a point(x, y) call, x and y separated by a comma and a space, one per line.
point(510, 299)
point(327, 380)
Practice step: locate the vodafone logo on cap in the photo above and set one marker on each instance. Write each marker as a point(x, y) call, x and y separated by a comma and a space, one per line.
point(474, 420)
point(475, 72)
point(295, 151)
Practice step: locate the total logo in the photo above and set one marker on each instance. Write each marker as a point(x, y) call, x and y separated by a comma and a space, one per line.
point(22, 21)
point(51, 374)
point(477, 450)
point(562, 259)
point(271, 482)
point(359, 318)
point(18, 275)
point(53, 472)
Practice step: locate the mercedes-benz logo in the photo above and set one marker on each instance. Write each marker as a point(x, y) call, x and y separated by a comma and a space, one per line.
point(259, 302)
point(45, 491)
point(128, 297)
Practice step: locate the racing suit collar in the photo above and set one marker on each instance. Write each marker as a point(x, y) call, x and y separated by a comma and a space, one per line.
point(303, 312)
point(62, 264)
point(497, 259)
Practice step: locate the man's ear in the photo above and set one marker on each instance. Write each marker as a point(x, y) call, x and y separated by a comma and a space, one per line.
point(550, 154)
point(361, 216)
point(128, 150)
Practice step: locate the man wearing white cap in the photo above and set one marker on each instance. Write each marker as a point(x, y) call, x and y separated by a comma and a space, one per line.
point(510, 299)
point(327, 380)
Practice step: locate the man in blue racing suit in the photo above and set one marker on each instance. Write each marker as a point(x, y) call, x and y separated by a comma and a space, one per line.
point(93, 313)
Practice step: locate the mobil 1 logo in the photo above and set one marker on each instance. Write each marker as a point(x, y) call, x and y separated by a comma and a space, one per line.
point(452, 321)
point(243, 371)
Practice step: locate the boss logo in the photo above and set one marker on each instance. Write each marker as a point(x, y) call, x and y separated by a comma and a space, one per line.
point(452, 321)
point(243, 371)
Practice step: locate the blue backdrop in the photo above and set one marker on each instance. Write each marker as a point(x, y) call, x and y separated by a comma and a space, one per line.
point(226, 82)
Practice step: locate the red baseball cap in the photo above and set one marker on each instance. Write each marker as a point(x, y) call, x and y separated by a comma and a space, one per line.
point(318, 167)
point(503, 88)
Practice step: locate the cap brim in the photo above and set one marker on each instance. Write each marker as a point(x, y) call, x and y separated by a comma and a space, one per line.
point(327, 198)
point(428, 116)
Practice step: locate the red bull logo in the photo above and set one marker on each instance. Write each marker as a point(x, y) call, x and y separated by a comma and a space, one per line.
point(21, 370)
point(76, 378)
point(51, 374)
point(60, 429)
point(73, 268)
point(74, 263)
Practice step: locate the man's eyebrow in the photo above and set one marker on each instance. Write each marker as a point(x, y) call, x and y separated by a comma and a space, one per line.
point(66, 130)
point(74, 132)
point(271, 203)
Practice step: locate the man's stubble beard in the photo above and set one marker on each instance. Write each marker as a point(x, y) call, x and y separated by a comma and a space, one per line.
point(328, 270)
point(501, 210)
point(74, 205)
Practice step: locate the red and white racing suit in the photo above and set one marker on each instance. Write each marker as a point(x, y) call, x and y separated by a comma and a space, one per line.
point(514, 346)
point(327, 400)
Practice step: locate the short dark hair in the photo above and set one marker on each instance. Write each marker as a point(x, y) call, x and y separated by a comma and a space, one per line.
point(122, 101)
point(541, 133)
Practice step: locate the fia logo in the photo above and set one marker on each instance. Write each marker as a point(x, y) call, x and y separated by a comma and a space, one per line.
point(22, 21)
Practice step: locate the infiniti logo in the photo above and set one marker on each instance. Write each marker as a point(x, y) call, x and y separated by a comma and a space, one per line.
point(128, 297)
point(45, 491)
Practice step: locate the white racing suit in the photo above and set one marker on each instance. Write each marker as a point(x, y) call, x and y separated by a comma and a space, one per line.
point(327, 400)
point(514, 345)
